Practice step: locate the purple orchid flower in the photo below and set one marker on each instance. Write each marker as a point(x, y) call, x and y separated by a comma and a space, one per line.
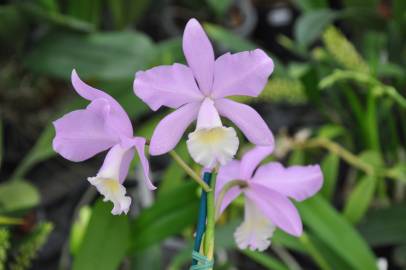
point(267, 205)
point(103, 125)
point(199, 91)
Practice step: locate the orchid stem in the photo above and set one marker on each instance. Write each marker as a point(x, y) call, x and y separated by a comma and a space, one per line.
point(201, 222)
point(189, 170)
point(211, 220)
point(224, 190)
point(10, 221)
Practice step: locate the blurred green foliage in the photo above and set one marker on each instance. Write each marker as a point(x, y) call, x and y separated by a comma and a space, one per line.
point(347, 68)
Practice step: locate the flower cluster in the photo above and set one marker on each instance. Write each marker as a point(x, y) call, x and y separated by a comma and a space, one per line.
point(197, 91)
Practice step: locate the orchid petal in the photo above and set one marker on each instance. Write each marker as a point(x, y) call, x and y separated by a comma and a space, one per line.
point(111, 175)
point(199, 55)
point(171, 128)
point(208, 116)
point(255, 231)
point(226, 174)
point(139, 144)
point(82, 134)
point(117, 163)
point(248, 120)
point(118, 118)
point(278, 208)
point(297, 182)
point(252, 158)
point(170, 86)
point(244, 73)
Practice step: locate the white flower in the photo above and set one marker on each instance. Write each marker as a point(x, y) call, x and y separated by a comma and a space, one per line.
point(212, 143)
point(107, 180)
point(256, 230)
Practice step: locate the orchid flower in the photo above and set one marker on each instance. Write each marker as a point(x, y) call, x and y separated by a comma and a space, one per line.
point(199, 91)
point(266, 196)
point(103, 125)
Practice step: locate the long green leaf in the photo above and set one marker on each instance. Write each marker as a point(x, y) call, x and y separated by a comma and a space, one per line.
point(329, 166)
point(386, 226)
point(311, 24)
point(336, 232)
point(105, 242)
point(104, 56)
point(18, 195)
point(360, 199)
point(171, 213)
point(265, 260)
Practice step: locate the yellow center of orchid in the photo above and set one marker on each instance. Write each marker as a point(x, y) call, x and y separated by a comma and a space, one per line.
point(112, 185)
point(212, 136)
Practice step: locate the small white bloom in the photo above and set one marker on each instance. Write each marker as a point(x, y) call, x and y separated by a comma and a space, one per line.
point(108, 183)
point(256, 230)
point(382, 263)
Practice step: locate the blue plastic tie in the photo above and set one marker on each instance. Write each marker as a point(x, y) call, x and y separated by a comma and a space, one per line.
point(203, 263)
point(201, 222)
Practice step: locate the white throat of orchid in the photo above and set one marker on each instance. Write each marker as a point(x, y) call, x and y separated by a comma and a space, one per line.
point(107, 181)
point(256, 230)
point(211, 143)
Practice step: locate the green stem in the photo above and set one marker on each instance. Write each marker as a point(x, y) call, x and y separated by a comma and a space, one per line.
point(211, 220)
point(10, 221)
point(189, 171)
point(347, 156)
point(224, 190)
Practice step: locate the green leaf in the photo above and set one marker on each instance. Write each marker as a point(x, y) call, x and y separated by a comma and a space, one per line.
point(105, 242)
point(228, 39)
point(89, 11)
point(311, 24)
point(42, 15)
point(220, 6)
point(42, 150)
point(329, 166)
point(336, 232)
point(106, 56)
point(310, 5)
point(1, 141)
point(49, 5)
point(360, 199)
point(331, 131)
point(264, 259)
point(386, 226)
point(18, 195)
point(149, 258)
point(78, 229)
point(170, 214)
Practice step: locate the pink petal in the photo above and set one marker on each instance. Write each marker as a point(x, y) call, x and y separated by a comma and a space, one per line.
point(252, 158)
point(226, 174)
point(117, 162)
point(199, 55)
point(208, 116)
point(82, 134)
point(278, 208)
point(171, 128)
point(125, 164)
point(244, 73)
point(248, 120)
point(139, 144)
point(297, 182)
point(170, 86)
point(118, 118)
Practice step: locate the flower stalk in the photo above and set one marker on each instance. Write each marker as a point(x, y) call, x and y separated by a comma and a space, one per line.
point(201, 222)
point(189, 171)
point(211, 220)
point(224, 190)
